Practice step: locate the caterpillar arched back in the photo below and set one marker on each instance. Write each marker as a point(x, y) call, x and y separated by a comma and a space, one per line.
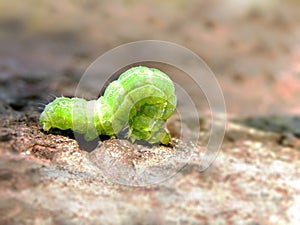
point(142, 99)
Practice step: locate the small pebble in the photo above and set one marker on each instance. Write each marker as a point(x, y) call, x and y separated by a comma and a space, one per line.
point(5, 134)
point(289, 140)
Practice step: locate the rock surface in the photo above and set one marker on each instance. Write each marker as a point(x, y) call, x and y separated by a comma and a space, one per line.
point(48, 179)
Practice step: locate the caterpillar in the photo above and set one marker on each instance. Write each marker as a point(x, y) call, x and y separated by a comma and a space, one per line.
point(142, 99)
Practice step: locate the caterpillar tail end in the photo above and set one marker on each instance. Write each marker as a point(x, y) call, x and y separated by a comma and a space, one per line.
point(160, 136)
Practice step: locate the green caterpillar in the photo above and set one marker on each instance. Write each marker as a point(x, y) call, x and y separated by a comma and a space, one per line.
point(142, 99)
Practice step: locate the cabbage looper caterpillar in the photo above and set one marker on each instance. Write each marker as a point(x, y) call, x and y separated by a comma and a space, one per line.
point(141, 99)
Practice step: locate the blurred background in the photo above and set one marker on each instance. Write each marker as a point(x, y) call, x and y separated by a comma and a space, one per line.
point(252, 46)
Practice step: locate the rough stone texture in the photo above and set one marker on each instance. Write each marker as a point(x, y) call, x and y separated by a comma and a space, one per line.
point(53, 178)
point(47, 179)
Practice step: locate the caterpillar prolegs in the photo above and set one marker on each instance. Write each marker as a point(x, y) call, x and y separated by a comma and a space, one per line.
point(142, 99)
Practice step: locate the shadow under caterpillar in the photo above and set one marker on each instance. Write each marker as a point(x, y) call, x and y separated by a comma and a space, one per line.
point(142, 99)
